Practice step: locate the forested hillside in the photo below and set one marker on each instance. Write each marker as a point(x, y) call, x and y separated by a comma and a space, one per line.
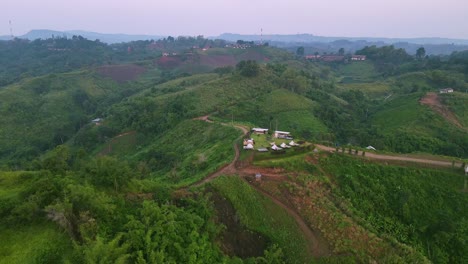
point(137, 153)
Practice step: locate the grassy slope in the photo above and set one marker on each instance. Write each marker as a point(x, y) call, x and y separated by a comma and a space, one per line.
point(361, 72)
point(256, 100)
point(401, 112)
point(458, 104)
point(260, 214)
point(190, 151)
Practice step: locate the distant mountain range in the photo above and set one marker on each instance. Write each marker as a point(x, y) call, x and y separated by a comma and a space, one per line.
point(107, 38)
point(295, 38)
point(307, 38)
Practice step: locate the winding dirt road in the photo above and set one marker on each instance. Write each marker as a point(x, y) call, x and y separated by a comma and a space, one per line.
point(228, 168)
point(317, 245)
point(375, 156)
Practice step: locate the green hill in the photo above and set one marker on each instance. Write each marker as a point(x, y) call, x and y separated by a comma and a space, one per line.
point(122, 190)
point(40, 113)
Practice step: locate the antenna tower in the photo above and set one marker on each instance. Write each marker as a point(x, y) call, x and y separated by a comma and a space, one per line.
point(11, 30)
point(261, 36)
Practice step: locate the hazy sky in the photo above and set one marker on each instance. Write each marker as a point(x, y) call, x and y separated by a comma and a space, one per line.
point(369, 18)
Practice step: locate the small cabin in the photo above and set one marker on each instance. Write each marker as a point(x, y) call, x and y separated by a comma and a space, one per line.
point(283, 134)
point(358, 57)
point(257, 130)
point(446, 90)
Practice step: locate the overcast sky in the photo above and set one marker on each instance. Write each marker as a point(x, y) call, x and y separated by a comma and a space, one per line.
point(349, 18)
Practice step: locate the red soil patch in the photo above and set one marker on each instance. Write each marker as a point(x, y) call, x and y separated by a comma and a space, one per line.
point(217, 60)
point(169, 63)
point(121, 73)
point(432, 100)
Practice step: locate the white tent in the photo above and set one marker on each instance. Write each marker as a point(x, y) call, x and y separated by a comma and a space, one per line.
point(283, 145)
point(292, 143)
point(249, 146)
point(274, 147)
point(370, 148)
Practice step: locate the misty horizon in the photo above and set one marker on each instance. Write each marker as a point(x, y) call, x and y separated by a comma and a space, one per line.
point(361, 18)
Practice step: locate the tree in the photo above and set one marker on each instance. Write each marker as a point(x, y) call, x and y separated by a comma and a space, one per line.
point(341, 51)
point(248, 68)
point(421, 53)
point(108, 171)
point(300, 51)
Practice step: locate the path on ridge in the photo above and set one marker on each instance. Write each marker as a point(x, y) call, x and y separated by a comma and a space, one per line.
point(375, 156)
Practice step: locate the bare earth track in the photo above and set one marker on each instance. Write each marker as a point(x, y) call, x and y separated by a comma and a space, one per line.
point(432, 100)
point(397, 158)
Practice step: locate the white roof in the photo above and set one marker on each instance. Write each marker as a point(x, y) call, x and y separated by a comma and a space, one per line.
point(371, 147)
point(282, 132)
point(259, 129)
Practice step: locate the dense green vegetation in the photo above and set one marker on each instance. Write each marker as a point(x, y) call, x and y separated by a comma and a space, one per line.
point(118, 191)
point(419, 207)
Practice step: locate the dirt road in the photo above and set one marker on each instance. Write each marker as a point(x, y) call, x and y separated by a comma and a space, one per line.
point(375, 156)
point(228, 168)
point(317, 245)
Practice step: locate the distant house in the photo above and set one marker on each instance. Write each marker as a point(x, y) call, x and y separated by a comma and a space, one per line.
point(332, 58)
point(97, 121)
point(358, 57)
point(257, 130)
point(312, 57)
point(446, 90)
point(282, 134)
